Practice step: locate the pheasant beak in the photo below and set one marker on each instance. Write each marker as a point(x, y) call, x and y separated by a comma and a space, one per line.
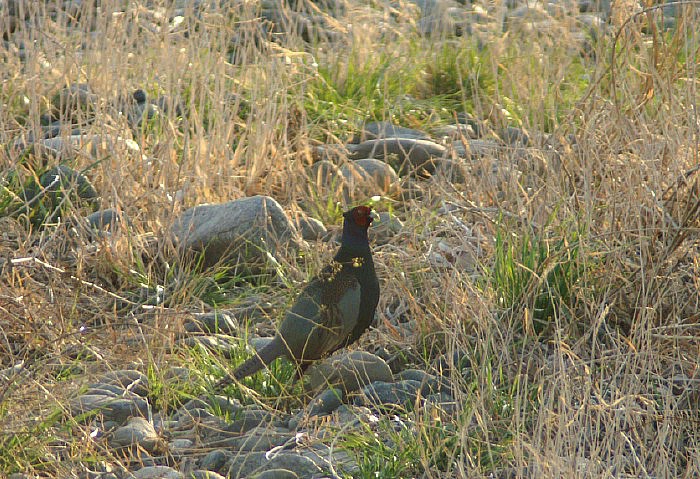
point(373, 216)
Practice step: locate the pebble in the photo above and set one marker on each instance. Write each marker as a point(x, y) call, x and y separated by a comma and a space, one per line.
point(204, 474)
point(257, 439)
point(301, 465)
point(61, 179)
point(128, 379)
point(385, 228)
point(248, 419)
point(214, 322)
point(215, 460)
point(137, 432)
point(111, 409)
point(325, 403)
point(310, 228)
point(388, 394)
point(368, 177)
point(157, 472)
point(216, 344)
point(104, 219)
point(384, 129)
point(276, 474)
point(349, 371)
point(454, 171)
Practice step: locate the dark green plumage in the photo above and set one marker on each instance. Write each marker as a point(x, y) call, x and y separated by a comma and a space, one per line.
point(332, 311)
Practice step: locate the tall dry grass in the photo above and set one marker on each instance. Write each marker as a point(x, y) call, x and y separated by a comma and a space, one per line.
point(605, 229)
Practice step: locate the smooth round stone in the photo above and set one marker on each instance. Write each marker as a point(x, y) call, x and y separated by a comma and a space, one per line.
point(310, 228)
point(157, 472)
point(384, 129)
point(324, 173)
point(348, 371)
point(204, 474)
point(386, 228)
point(276, 474)
point(215, 460)
point(138, 432)
point(389, 394)
point(112, 409)
point(214, 322)
point(369, 177)
point(411, 154)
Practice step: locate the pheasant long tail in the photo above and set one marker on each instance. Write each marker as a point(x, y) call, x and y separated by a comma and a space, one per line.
point(259, 360)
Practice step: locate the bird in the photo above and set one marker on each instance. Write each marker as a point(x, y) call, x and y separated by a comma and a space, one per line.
point(332, 311)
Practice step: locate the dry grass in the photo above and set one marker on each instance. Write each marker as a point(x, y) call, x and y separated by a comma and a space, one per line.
point(603, 234)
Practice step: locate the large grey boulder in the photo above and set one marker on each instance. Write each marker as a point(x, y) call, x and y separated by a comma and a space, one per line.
point(249, 231)
point(411, 154)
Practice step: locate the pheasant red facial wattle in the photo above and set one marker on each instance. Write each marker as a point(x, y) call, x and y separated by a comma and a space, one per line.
point(362, 215)
point(332, 311)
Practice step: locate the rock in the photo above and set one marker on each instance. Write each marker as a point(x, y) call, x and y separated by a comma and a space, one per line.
point(480, 128)
point(478, 149)
point(111, 409)
point(368, 177)
point(348, 371)
point(243, 465)
point(310, 228)
point(442, 17)
point(180, 445)
point(300, 465)
point(389, 394)
point(194, 407)
point(325, 181)
point(514, 136)
point(429, 383)
point(276, 474)
point(251, 231)
point(73, 103)
point(216, 322)
point(456, 131)
point(137, 432)
point(105, 390)
point(324, 173)
point(453, 171)
point(215, 460)
point(62, 180)
point(248, 419)
point(384, 129)
point(157, 472)
point(412, 155)
point(219, 345)
point(443, 402)
point(257, 439)
point(338, 459)
point(95, 146)
point(325, 403)
point(104, 219)
point(204, 474)
point(386, 228)
point(10, 374)
point(352, 417)
point(127, 379)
